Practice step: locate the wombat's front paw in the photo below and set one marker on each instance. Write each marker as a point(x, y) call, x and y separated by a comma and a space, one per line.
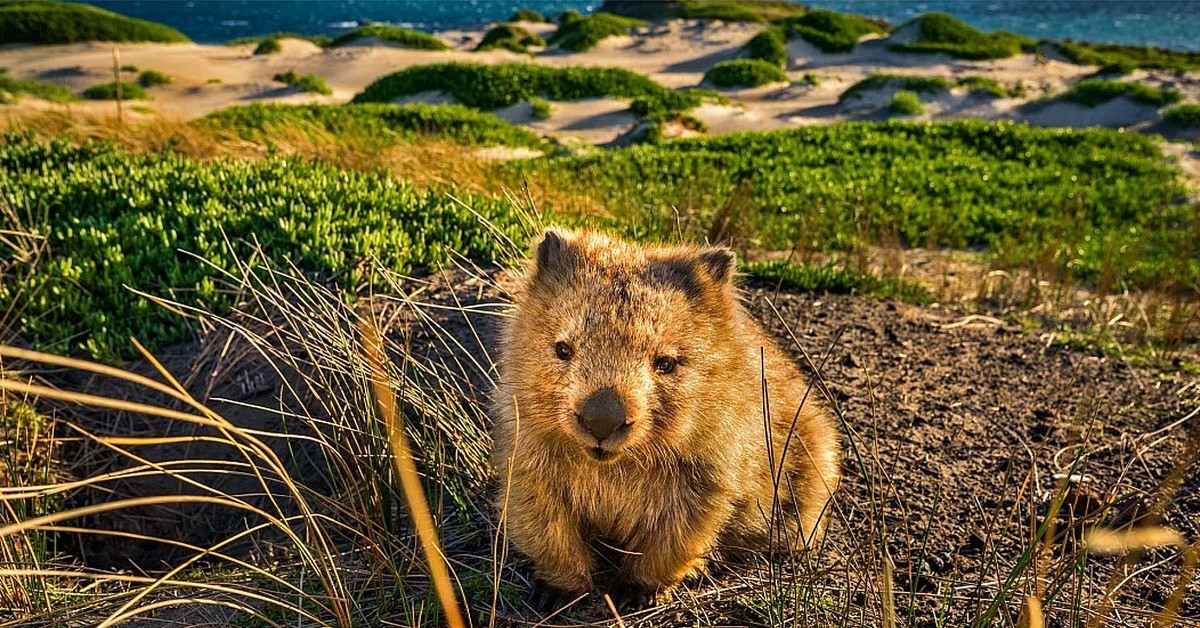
point(548, 598)
point(630, 597)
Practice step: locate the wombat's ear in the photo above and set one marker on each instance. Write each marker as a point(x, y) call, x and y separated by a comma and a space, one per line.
point(718, 262)
point(554, 255)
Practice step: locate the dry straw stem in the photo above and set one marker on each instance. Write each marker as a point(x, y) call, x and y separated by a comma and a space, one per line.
point(406, 469)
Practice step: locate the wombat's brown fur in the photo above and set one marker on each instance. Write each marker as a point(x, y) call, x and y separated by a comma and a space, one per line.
point(630, 409)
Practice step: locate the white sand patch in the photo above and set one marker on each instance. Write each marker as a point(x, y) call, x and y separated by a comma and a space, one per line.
point(292, 48)
point(593, 120)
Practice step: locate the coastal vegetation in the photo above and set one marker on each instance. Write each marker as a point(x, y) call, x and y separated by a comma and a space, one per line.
point(830, 31)
point(897, 81)
point(1124, 57)
point(152, 78)
point(386, 122)
point(578, 35)
point(53, 22)
point(309, 83)
point(724, 10)
point(1186, 115)
point(528, 15)
point(127, 90)
point(403, 37)
point(906, 103)
point(12, 89)
point(744, 73)
point(1094, 92)
point(940, 32)
point(510, 37)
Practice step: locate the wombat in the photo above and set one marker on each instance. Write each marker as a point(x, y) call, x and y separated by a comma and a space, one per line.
point(630, 409)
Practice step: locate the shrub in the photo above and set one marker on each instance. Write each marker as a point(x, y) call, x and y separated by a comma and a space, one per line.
point(939, 32)
point(585, 33)
point(836, 280)
point(309, 83)
point(540, 109)
point(456, 123)
point(1185, 115)
point(151, 78)
point(768, 46)
point(510, 37)
point(568, 16)
point(528, 15)
point(129, 68)
point(744, 73)
point(988, 85)
point(832, 31)
point(1129, 56)
point(911, 83)
point(505, 84)
point(725, 10)
point(115, 221)
point(108, 91)
point(51, 22)
point(268, 46)
point(405, 37)
point(37, 89)
point(906, 103)
point(1093, 92)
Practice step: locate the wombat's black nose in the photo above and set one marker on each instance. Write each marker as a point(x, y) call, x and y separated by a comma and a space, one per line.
point(602, 413)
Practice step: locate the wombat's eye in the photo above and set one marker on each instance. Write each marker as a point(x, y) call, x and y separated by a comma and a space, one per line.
point(563, 350)
point(665, 364)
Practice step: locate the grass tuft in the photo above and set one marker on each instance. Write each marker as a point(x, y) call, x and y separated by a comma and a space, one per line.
point(906, 103)
point(832, 31)
point(924, 84)
point(583, 34)
point(108, 91)
point(52, 22)
point(540, 109)
point(940, 32)
point(744, 73)
point(510, 37)
point(724, 10)
point(1186, 115)
point(835, 280)
point(1128, 57)
point(528, 15)
point(309, 83)
point(404, 37)
point(11, 89)
point(1094, 92)
point(769, 46)
point(152, 78)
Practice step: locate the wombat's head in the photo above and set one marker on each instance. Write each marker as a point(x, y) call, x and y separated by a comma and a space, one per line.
point(613, 346)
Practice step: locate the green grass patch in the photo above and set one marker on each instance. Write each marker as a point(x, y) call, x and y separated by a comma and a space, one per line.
point(309, 83)
point(12, 89)
point(505, 84)
point(1185, 115)
point(151, 78)
point(836, 280)
point(540, 109)
point(1092, 203)
point(510, 37)
point(1094, 92)
point(583, 34)
point(906, 103)
point(528, 15)
point(115, 220)
point(939, 32)
point(744, 73)
point(724, 10)
point(990, 86)
point(568, 16)
point(405, 37)
point(832, 31)
point(1129, 56)
point(455, 123)
point(769, 46)
point(927, 84)
point(268, 46)
point(50, 22)
point(108, 91)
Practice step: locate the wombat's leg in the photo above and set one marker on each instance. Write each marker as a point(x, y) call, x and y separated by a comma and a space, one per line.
point(552, 539)
point(665, 556)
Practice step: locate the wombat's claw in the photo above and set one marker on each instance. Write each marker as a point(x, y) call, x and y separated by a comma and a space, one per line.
point(547, 598)
point(634, 597)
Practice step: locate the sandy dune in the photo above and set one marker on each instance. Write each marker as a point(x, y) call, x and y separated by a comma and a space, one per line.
point(675, 53)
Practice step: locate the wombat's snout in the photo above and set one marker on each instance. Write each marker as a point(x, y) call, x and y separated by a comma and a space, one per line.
point(602, 413)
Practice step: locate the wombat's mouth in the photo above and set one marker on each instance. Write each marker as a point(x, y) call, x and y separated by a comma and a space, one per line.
point(600, 453)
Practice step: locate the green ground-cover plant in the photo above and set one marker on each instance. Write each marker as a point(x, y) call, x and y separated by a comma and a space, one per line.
point(1186, 115)
point(939, 32)
point(52, 22)
point(510, 37)
point(744, 73)
point(387, 122)
point(1071, 198)
point(906, 103)
point(309, 83)
point(770, 46)
point(724, 10)
point(108, 91)
point(1093, 92)
point(925, 84)
point(568, 16)
point(527, 15)
point(405, 37)
point(832, 31)
point(272, 43)
point(1127, 57)
point(11, 89)
point(583, 34)
point(540, 109)
point(152, 78)
point(114, 220)
point(990, 86)
point(505, 84)
point(836, 280)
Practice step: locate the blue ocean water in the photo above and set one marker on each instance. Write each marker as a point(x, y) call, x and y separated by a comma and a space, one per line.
point(1169, 23)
